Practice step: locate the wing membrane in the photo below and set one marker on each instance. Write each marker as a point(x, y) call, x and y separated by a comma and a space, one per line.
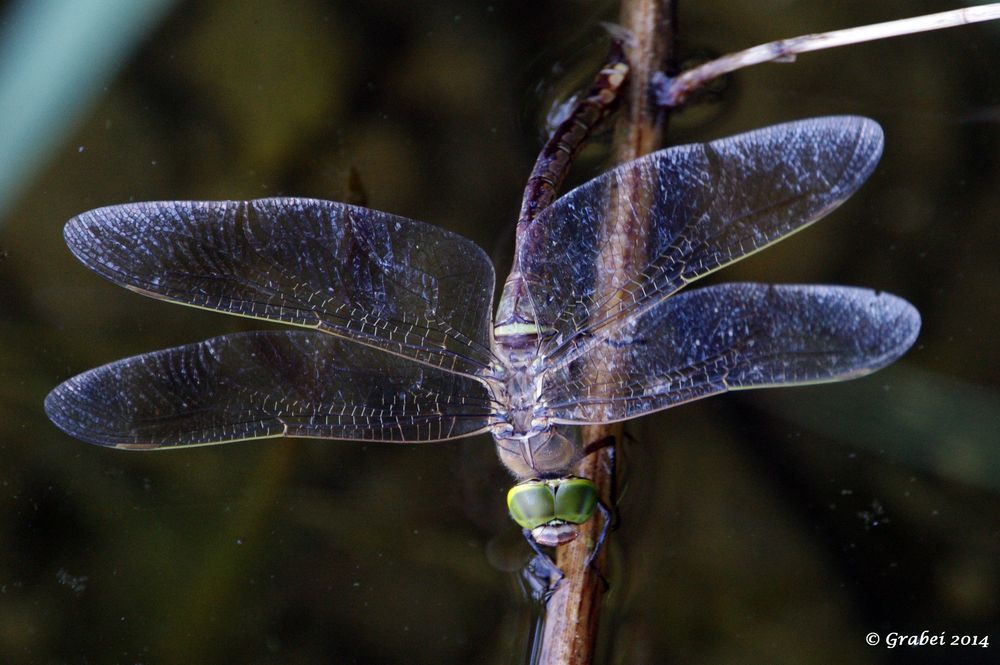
point(396, 284)
point(731, 337)
point(591, 264)
point(266, 384)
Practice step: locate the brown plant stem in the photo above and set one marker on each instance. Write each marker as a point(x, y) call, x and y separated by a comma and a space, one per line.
point(573, 612)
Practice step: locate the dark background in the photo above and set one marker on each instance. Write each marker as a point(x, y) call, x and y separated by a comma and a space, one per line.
point(767, 527)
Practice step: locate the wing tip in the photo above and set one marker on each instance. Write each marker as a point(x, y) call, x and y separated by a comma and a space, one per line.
point(896, 326)
point(869, 143)
point(67, 412)
point(76, 231)
point(904, 327)
point(863, 133)
point(69, 409)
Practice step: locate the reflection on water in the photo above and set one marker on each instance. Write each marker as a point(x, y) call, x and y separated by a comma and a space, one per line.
point(749, 524)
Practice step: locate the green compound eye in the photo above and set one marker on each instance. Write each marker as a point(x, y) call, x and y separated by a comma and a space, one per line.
point(532, 503)
point(576, 499)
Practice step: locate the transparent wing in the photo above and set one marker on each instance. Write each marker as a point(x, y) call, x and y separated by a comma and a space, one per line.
point(731, 337)
point(707, 205)
point(402, 286)
point(266, 384)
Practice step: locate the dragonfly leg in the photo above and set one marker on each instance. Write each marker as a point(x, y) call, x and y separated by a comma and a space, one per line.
point(606, 517)
point(603, 442)
point(537, 575)
point(541, 569)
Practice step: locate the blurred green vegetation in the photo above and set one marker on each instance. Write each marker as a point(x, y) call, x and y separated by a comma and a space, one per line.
point(762, 527)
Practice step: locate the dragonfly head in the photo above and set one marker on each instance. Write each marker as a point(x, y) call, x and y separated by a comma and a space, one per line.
point(541, 453)
point(552, 509)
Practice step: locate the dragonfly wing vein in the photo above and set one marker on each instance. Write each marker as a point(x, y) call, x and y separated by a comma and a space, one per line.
point(729, 337)
point(388, 282)
point(623, 242)
point(267, 384)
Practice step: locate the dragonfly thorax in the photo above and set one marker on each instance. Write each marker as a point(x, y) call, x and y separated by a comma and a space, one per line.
point(542, 454)
point(527, 442)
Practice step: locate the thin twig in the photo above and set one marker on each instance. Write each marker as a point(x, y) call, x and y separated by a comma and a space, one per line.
point(785, 50)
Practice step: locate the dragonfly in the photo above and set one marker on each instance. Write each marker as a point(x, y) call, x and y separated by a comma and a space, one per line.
point(391, 337)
